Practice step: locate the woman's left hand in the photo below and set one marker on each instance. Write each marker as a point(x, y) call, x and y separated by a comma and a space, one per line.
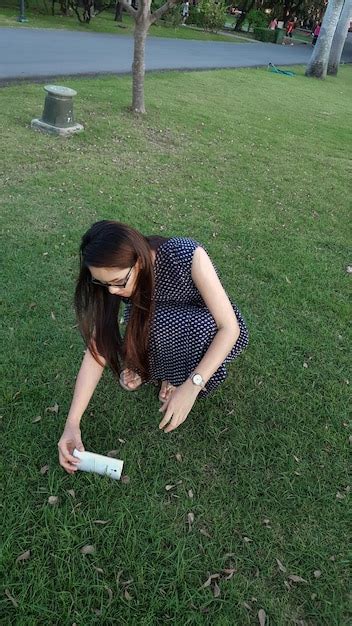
point(178, 405)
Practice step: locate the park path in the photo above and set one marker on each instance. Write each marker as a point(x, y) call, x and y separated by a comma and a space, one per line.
point(42, 53)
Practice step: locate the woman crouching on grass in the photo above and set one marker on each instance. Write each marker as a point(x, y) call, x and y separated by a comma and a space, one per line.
point(181, 328)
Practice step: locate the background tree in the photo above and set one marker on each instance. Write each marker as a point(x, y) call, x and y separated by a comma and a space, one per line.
point(339, 38)
point(86, 9)
point(245, 6)
point(308, 11)
point(212, 14)
point(318, 64)
point(257, 18)
point(143, 17)
point(118, 12)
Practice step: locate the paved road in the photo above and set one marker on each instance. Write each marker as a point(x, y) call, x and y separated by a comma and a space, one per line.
point(42, 53)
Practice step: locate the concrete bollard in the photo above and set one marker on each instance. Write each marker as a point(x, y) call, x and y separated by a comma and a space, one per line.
point(57, 115)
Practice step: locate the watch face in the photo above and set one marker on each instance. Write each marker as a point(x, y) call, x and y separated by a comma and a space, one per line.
point(197, 379)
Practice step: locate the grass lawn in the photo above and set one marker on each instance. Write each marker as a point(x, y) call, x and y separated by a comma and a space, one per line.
point(103, 23)
point(257, 167)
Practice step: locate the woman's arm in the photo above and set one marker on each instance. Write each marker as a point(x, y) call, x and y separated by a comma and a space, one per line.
point(210, 288)
point(88, 377)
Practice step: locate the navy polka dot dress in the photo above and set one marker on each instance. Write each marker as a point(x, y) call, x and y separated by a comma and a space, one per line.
point(183, 328)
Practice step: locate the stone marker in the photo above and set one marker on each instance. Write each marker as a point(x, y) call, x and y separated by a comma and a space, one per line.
point(57, 116)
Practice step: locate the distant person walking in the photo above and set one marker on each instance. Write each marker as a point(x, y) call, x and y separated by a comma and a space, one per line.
point(273, 24)
point(316, 33)
point(185, 12)
point(289, 28)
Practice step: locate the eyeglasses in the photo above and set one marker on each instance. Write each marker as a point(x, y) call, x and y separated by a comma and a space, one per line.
point(119, 285)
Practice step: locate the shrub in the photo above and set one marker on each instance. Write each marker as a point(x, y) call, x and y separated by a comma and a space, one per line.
point(208, 14)
point(257, 18)
point(195, 17)
point(173, 17)
point(265, 34)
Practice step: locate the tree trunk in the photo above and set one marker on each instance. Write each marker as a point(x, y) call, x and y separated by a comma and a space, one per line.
point(118, 12)
point(247, 6)
point(318, 64)
point(286, 9)
point(138, 66)
point(339, 38)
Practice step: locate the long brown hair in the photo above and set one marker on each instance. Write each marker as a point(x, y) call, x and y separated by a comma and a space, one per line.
point(113, 244)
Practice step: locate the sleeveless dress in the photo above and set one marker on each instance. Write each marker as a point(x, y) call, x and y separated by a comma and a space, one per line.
point(183, 328)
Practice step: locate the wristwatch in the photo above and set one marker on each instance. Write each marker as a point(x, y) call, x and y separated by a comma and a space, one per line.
point(197, 380)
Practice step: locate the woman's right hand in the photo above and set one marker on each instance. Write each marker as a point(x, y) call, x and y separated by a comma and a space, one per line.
point(70, 439)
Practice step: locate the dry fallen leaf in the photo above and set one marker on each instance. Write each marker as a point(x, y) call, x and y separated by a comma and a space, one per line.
point(317, 573)
point(53, 500)
point(53, 409)
point(178, 457)
point(340, 496)
point(53, 315)
point(261, 617)
point(216, 590)
point(282, 568)
point(127, 595)
point(168, 487)
point(247, 539)
point(87, 549)
point(109, 592)
point(190, 520)
point(44, 469)
point(229, 572)
point(247, 606)
point(209, 580)
point(125, 479)
point(190, 493)
point(24, 557)
point(305, 365)
point(349, 269)
point(118, 576)
point(102, 521)
point(98, 569)
point(204, 532)
point(121, 440)
point(113, 454)
point(11, 598)
point(71, 493)
point(296, 579)
point(36, 419)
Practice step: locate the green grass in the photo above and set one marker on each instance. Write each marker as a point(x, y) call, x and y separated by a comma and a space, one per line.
point(257, 167)
point(103, 23)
